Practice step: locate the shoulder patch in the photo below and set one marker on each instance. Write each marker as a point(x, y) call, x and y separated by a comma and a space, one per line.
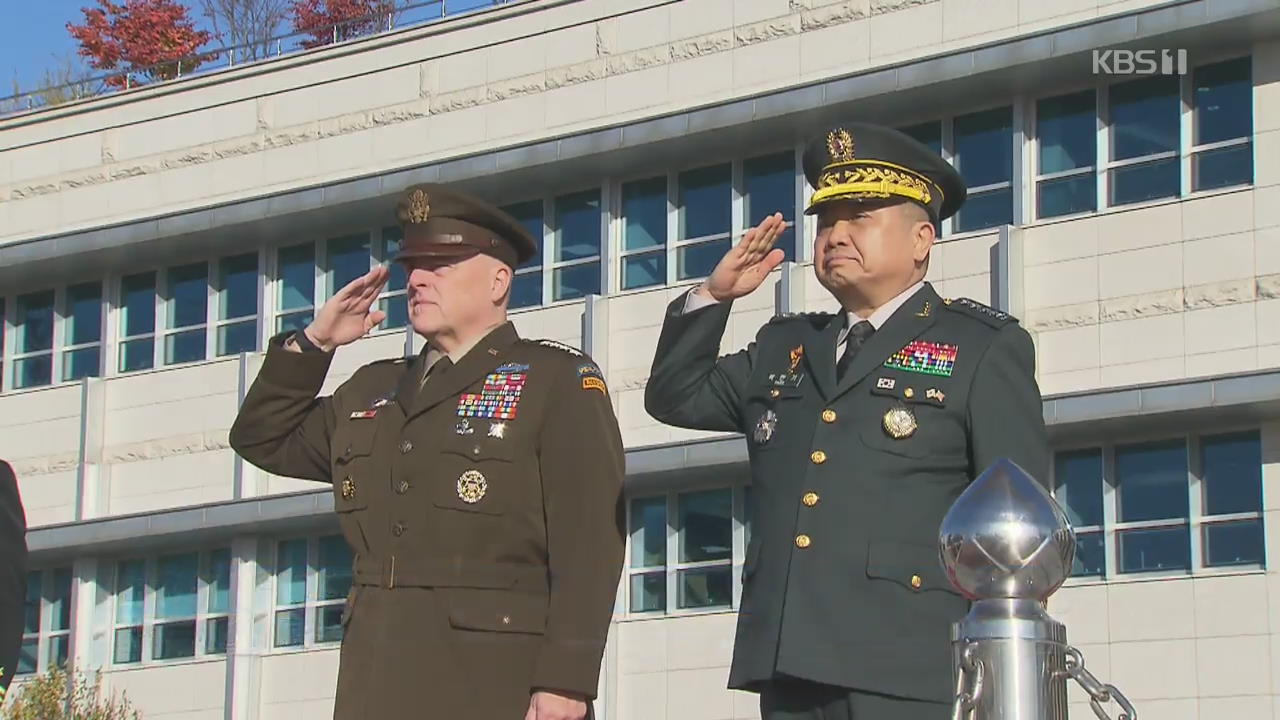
point(591, 378)
point(974, 309)
point(558, 346)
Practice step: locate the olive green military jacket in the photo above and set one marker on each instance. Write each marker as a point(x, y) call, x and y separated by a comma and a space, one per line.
point(13, 574)
point(484, 513)
point(842, 580)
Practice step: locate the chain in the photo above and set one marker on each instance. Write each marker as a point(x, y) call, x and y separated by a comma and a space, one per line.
point(967, 701)
point(1098, 692)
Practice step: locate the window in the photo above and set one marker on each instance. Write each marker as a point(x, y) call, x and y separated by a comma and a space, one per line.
point(237, 304)
point(46, 631)
point(137, 321)
point(526, 287)
point(82, 331)
point(172, 607)
point(186, 313)
point(576, 269)
point(347, 259)
point(682, 549)
point(930, 134)
point(644, 233)
point(295, 287)
point(1145, 121)
point(1223, 99)
point(984, 158)
point(769, 186)
point(1066, 131)
point(704, 207)
point(312, 580)
point(33, 340)
point(1171, 505)
point(394, 298)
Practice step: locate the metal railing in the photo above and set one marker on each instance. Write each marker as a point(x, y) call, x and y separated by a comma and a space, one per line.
point(219, 59)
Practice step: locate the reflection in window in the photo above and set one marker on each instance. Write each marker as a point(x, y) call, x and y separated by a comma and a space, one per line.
point(46, 621)
point(1145, 120)
point(394, 300)
point(174, 633)
point(237, 304)
point(644, 233)
point(577, 246)
point(131, 590)
point(648, 554)
point(984, 158)
point(1152, 484)
point(526, 288)
point(33, 340)
point(217, 601)
point(1066, 128)
point(137, 321)
point(768, 187)
point(705, 548)
point(186, 313)
point(317, 589)
point(1078, 478)
point(172, 607)
point(348, 259)
point(1232, 499)
point(82, 331)
point(295, 287)
point(1223, 124)
point(705, 208)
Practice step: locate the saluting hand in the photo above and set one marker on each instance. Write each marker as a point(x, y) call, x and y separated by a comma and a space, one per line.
point(347, 316)
point(745, 266)
point(550, 706)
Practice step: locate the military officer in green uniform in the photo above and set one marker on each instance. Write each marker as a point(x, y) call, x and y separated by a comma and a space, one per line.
point(862, 427)
point(478, 484)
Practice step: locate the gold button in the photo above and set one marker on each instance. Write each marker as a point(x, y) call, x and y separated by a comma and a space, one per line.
point(402, 487)
point(810, 499)
point(775, 393)
point(398, 529)
point(803, 541)
point(828, 416)
point(908, 393)
point(405, 446)
point(818, 457)
point(506, 619)
point(916, 582)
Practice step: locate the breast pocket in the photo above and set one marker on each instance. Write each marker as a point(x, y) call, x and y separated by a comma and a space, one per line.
point(354, 478)
point(766, 407)
point(481, 476)
point(911, 422)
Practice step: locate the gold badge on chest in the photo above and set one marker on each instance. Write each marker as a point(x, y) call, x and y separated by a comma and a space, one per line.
point(348, 488)
point(472, 486)
point(899, 422)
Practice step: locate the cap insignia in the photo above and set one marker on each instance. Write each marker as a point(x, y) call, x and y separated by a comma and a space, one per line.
point(840, 145)
point(419, 206)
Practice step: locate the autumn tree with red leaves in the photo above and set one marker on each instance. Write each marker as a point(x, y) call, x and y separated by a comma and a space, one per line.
point(146, 37)
point(328, 21)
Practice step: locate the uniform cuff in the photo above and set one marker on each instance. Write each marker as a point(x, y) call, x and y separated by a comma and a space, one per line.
point(302, 371)
point(694, 301)
point(568, 669)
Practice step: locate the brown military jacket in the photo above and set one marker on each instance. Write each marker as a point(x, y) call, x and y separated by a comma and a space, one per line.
point(484, 513)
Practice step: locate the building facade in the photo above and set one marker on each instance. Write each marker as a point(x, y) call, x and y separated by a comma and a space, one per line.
point(1123, 164)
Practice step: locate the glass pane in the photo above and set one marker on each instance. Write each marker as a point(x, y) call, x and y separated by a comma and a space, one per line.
point(59, 649)
point(215, 636)
point(929, 133)
point(290, 626)
point(1067, 129)
point(329, 623)
point(529, 214)
point(1153, 481)
point(575, 282)
point(31, 603)
point(649, 532)
point(985, 210)
point(174, 640)
point(83, 323)
point(644, 270)
point(984, 147)
point(705, 525)
point(397, 278)
point(769, 184)
point(128, 645)
point(80, 363)
point(176, 585)
point(348, 259)
point(294, 321)
point(334, 569)
point(291, 573)
point(705, 201)
point(60, 600)
point(218, 581)
point(1232, 473)
point(184, 347)
point(397, 309)
point(1064, 196)
point(138, 304)
point(1148, 181)
point(1223, 101)
point(137, 354)
point(644, 214)
point(33, 371)
point(1144, 117)
point(238, 337)
point(296, 271)
point(1223, 168)
point(706, 587)
point(1159, 549)
point(238, 286)
point(1090, 555)
point(27, 656)
point(578, 217)
point(1078, 486)
point(1233, 543)
point(188, 295)
point(35, 322)
point(526, 290)
point(695, 261)
point(130, 588)
point(649, 592)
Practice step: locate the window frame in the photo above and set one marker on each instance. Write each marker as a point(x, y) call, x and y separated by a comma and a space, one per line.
point(150, 621)
point(44, 634)
point(311, 605)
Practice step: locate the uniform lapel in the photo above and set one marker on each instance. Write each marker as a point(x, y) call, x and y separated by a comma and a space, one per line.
point(819, 354)
point(410, 381)
point(478, 362)
point(909, 321)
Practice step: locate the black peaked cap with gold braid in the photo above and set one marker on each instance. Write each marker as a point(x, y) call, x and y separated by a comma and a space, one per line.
point(865, 162)
point(441, 222)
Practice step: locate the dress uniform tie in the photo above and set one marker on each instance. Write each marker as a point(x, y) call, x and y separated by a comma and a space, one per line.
point(858, 334)
point(438, 368)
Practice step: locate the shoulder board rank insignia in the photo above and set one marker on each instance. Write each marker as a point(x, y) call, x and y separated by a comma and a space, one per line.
point(985, 313)
point(559, 346)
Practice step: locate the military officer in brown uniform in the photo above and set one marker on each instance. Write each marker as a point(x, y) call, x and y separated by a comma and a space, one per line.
point(863, 426)
point(479, 484)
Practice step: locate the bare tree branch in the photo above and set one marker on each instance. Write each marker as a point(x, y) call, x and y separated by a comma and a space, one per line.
point(247, 25)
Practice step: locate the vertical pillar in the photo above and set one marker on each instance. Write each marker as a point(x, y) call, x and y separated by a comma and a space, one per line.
point(91, 474)
point(244, 659)
point(1007, 272)
point(789, 292)
point(85, 655)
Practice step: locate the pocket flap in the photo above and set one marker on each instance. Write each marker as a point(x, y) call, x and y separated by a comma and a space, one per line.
point(353, 439)
point(915, 567)
point(497, 610)
point(478, 446)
